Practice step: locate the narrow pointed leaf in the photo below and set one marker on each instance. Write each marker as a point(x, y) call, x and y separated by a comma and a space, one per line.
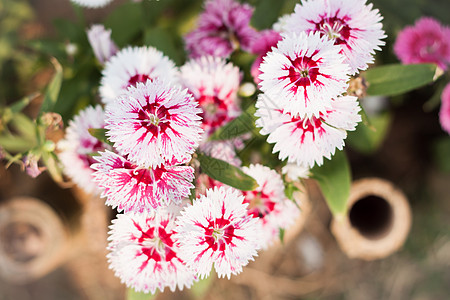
point(396, 79)
point(228, 174)
point(236, 127)
point(334, 179)
point(52, 92)
point(100, 134)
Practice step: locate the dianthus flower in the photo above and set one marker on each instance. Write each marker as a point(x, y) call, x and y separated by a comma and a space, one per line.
point(102, 45)
point(268, 203)
point(444, 113)
point(131, 188)
point(303, 73)
point(154, 123)
point(214, 84)
point(144, 252)
point(425, 42)
point(295, 172)
point(132, 65)
point(217, 230)
point(263, 44)
point(351, 24)
point(307, 140)
point(222, 28)
point(78, 145)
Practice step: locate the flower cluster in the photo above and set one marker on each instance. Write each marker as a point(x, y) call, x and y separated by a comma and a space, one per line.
point(304, 78)
point(156, 116)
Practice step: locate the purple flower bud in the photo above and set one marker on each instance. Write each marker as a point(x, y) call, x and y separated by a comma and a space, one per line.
point(101, 43)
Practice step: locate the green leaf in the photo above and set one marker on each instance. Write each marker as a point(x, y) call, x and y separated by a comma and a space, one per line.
point(22, 103)
point(391, 80)
point(236, 127)
point(125, 22)
point(281, 235)
point(133, 295)
point(334, 179)
point(51, 162)
point(25, 127)
point(100, 134)
point(367, 139)
point(201, 287)
point(164, 41)
point(228, 174)
point(266, 13)
point(51, 95)
point(15, 144)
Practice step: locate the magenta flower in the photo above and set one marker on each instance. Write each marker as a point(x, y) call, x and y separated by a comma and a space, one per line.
point(154, 123)
point(222, 28)
point(303, 73)
point(307, 140)
point(132, 65)
point(263, 44)
point(131, 188)
point(351, 24)
point(214, 84)
point(144, 252)
point(217, 230)
point(102, 45)
point(268, 203)
point(78, 145)
point(425, 42)
point(444, 113)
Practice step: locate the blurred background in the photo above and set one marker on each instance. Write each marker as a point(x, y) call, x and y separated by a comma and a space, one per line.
point(409, 149)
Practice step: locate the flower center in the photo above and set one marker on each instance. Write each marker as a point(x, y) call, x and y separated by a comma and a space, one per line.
point(332, 31)
point(153, 119)
point(138, 78)
point(217, 234)
point(335, 29)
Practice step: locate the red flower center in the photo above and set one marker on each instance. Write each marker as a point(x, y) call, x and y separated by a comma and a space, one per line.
point(335, 29)
point(138, 78)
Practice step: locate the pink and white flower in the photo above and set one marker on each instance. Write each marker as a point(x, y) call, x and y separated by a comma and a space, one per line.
point(426, 42)
point(144, 252)
point(307, 140)
point(444, 113)
point(303, 73)
point(268, 203)
point(266, 40)
point(154, 123)
point(132, 188)
point(102, 45)
point(91, 3)
point(214, 84)
point(132, 65)
point(78, 144)
point(223, 27)
point(217, 230)
point(351, 24)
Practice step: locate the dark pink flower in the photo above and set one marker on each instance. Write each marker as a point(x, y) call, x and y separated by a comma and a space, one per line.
point(263, 44)
point(222, 28)
point(425, 42)
point(444, 113)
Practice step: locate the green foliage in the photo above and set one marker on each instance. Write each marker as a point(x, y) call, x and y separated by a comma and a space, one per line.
point(368, 137)
point(396, 79)
point(334, 179)
point(243, 124)
point(126, 23)
point(52, 93)
point(100, 134)
point(266, 13)
point(133, 295)
point(224, 172)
